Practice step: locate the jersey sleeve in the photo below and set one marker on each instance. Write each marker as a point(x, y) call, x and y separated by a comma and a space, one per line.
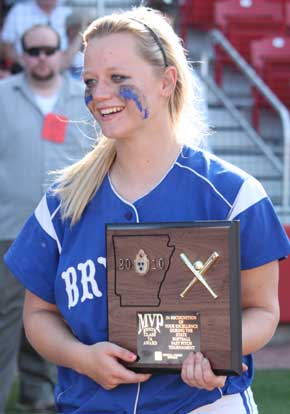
point(34, 255)
point(263, 238)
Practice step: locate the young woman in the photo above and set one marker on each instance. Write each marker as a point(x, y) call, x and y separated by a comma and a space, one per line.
point(138, 88)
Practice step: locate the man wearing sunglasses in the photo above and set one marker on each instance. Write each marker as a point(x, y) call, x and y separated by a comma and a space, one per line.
point(36, 136)
point(42, 58)
point(27, 13)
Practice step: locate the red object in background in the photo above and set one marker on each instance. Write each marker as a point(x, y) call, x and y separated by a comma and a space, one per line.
point(196, 13)
point(54, 128)
point(270, 57)
point(243, 21)
point(284, 286)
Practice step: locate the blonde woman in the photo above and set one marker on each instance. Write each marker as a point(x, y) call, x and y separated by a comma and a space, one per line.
point(138, 89)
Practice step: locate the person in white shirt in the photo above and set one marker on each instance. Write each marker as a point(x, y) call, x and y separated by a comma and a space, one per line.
point(22, 16)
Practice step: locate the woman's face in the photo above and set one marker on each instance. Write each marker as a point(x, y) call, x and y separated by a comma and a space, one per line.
point(123, 91)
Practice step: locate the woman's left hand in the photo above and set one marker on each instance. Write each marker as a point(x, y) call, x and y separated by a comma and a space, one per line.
point(196, 372)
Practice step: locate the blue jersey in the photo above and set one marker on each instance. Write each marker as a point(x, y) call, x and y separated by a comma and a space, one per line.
point(66, 266)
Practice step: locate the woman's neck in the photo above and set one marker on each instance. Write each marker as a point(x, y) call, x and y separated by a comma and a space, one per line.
point(139, 166)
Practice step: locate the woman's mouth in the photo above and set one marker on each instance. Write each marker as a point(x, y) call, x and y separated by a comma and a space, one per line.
point(110, 111)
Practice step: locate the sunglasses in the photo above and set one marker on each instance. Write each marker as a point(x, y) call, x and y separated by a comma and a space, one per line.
point(36, 51)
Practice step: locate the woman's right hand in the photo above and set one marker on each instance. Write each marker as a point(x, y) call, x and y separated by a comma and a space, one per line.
point(100, 362)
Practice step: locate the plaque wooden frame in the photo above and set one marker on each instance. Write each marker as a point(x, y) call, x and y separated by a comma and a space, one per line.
point(145, 279)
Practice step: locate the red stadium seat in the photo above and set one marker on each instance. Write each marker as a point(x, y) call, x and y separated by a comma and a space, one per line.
point(243, 21)
point(271, 59)
point(284, 286)
point(196, 13)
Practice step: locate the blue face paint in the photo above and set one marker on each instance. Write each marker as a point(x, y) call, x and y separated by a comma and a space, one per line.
point(88, 99)
point(127, 93)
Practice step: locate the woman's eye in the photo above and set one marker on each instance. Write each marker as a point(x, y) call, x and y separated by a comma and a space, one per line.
point(90, 83)
point(119, 78)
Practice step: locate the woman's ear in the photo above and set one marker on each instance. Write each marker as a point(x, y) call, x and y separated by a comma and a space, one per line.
point(169, 79)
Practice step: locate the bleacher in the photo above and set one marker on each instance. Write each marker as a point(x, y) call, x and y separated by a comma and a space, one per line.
point(244, 25)
point(245, 49)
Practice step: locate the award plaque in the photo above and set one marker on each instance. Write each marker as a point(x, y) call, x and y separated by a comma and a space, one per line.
point(174, 288)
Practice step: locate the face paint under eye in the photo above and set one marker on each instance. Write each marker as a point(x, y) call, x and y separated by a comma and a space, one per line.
point(88, 99)
point(129, 92)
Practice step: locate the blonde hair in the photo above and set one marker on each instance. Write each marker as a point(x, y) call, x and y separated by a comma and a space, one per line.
point(77, 184)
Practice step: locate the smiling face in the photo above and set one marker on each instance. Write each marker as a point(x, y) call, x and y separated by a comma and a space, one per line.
point(123, 91)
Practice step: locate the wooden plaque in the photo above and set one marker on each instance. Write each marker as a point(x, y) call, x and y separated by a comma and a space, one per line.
point(175, 288)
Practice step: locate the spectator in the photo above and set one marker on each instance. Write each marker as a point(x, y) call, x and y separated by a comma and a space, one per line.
point(75, 23)
point(35, 137)
point(22, 16)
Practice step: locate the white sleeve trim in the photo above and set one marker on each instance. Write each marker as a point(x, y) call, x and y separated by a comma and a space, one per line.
point(250, 193)
point(44, 219)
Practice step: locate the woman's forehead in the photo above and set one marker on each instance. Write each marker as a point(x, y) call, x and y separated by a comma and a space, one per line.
point(111, 43)
point(113, 51)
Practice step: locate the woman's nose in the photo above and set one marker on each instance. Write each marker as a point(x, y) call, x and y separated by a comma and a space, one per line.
point(102, 91)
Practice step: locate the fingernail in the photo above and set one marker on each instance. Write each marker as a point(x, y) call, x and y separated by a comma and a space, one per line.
point(132, 356)
point(205, 361)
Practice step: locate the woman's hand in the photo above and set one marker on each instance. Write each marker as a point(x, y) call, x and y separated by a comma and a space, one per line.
point(196, 372)
point(100, 363)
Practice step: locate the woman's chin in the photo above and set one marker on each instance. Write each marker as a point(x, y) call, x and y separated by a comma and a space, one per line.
point(117, 135)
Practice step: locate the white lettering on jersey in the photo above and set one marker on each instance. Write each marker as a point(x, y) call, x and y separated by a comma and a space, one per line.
point(90, 288)
point(88, 271)
point(102, 261)
point(70, 278)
